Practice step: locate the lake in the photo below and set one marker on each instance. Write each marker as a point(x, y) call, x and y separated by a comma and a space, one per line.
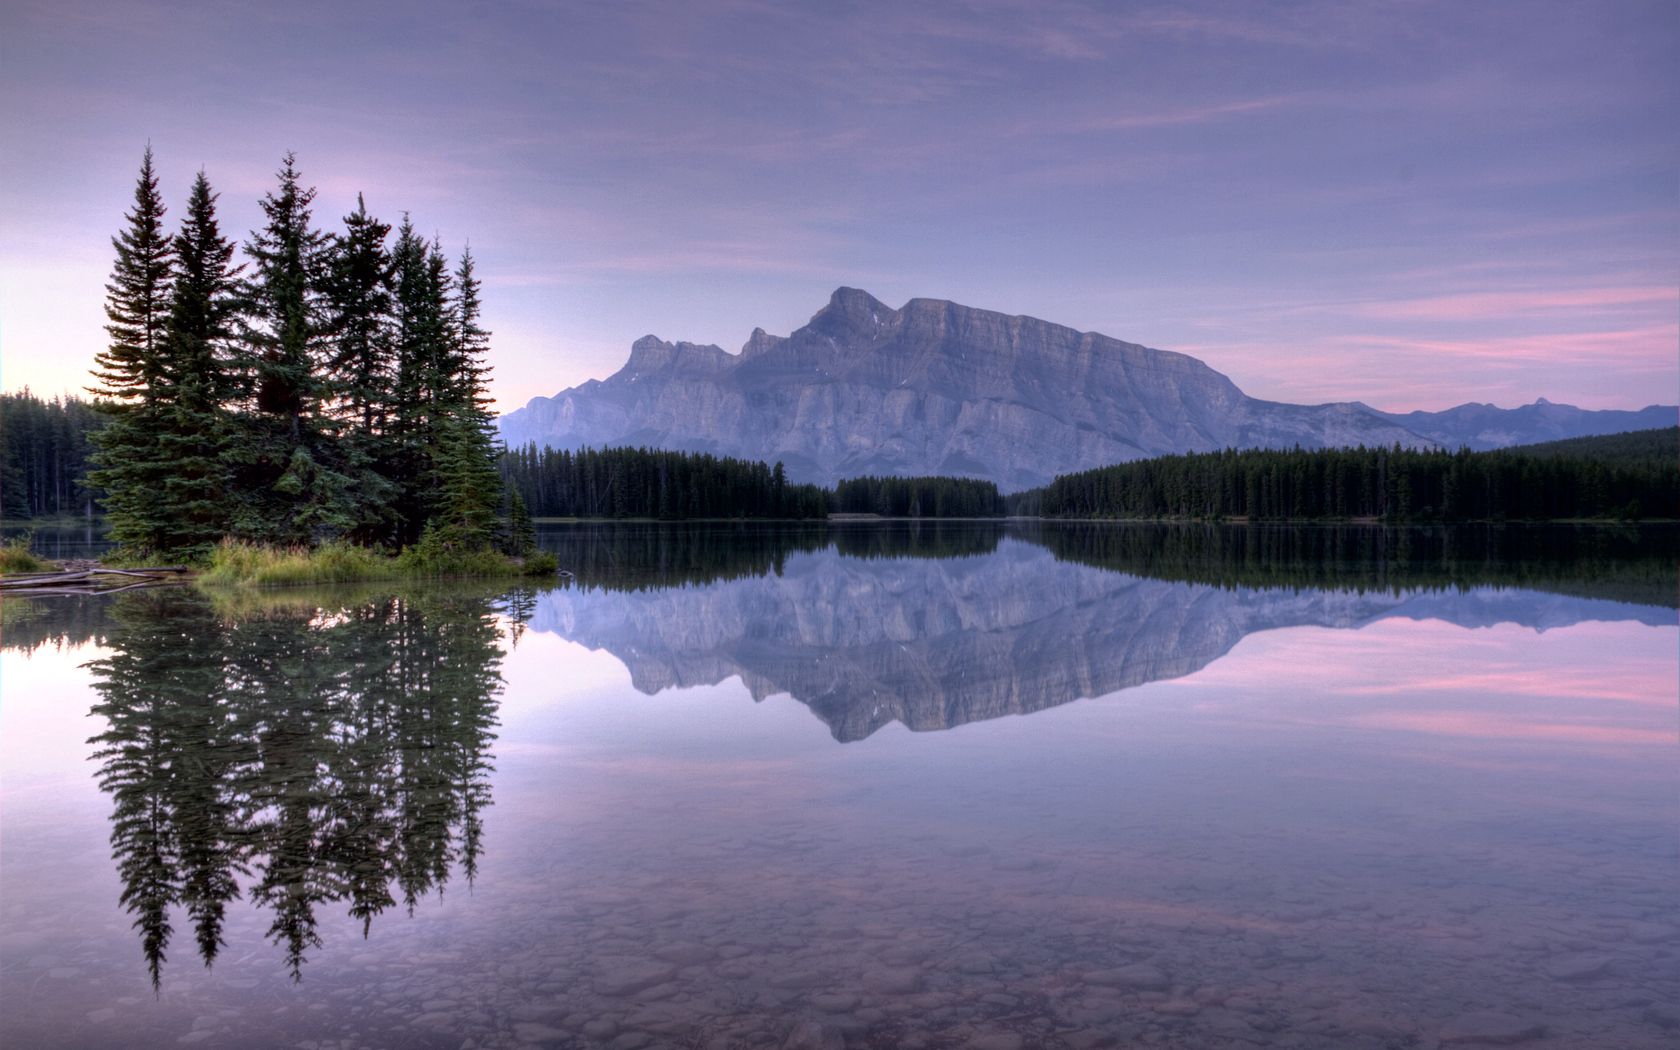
point(874, 785)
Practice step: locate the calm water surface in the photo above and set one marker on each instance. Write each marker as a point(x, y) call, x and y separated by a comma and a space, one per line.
point(866, 787)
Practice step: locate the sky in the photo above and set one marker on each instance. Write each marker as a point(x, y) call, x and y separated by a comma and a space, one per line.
point(1413, 205)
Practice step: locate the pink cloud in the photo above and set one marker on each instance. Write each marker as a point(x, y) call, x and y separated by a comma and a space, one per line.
point(1478, 305)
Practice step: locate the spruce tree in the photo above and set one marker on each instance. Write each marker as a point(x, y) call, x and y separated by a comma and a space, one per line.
point(283, 304)
point(361, 368)
point(521, 535)
point(290, 487)
point(194, 429)
point(416, 321)
point(137, 296)
point(130, 371)
point(468, 399)
point(359, 295)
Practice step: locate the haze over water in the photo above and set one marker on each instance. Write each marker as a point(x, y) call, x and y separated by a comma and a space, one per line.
point(1185, 787)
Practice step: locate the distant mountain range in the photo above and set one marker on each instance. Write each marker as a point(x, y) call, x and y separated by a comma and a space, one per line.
point(938, 388)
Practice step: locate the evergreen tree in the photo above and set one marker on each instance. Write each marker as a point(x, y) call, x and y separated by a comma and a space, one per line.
point(359, 294)
point(193, 429)
point(521, 537)
point(468, 487)
point(137, 297)
point(289, 484)
point(361, 368)
point(417, 319)
point(467, 470)
point(471, 346)
point(130, 462)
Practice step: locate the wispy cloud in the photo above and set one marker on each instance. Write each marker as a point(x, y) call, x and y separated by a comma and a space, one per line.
point(1482, 305)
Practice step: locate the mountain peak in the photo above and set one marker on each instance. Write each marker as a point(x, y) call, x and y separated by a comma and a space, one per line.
point(651, 354)
point(851, 313)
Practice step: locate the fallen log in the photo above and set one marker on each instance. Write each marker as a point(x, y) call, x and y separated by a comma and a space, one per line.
point(64, 579)
point(69, 590)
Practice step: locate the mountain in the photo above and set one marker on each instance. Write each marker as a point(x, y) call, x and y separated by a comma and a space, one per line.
point(1483, 427)
point(935, 643)
point(938, 388)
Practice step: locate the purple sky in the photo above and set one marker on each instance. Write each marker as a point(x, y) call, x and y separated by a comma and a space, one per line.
point(1412, 205)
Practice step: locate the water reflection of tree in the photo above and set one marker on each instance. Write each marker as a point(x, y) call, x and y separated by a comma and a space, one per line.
point(315, 756)
point(1633, 564)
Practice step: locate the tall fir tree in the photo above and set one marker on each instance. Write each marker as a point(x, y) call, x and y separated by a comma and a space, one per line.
point(194, 429)
point(130, 463)
point(416, 320)
point(471, 468)
point(286, 474)
point(137, 296)
point(361, 367)
point(359, 296)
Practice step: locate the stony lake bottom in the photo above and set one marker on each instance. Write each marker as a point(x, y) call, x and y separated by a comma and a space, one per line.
point(969, 785)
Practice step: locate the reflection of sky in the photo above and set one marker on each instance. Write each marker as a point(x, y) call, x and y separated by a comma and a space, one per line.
point(1591, 684)
point(1416, 205)
point(1408, 799)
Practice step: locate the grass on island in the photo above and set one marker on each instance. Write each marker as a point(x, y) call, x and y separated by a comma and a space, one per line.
point(237, 563)
point(15, 556)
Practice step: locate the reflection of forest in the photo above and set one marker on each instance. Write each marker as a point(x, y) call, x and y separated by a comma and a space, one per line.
point(312, 755)
point(1632, 564)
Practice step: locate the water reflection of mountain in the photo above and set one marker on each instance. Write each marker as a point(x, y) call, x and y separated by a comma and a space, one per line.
point(303, 756)
point(936, 643)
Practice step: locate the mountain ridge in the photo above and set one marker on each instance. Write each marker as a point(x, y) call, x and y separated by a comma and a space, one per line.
point(935, 387)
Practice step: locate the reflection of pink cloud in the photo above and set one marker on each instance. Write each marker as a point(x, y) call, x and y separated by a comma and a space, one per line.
point(1575, 683)
point(1484, 724)
point(1427, 676)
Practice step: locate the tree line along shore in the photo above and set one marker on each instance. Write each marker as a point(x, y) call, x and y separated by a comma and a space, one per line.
point(1625, 477)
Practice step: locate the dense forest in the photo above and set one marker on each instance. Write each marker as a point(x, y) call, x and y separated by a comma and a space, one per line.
point(676, 486)
point(1636, 448)
point(654, 483)
point(1386, 484)
point(327, 385)
point(44, 451)
point(923, 497)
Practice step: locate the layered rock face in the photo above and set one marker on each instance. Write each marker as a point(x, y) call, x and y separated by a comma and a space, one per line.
point(933, 388)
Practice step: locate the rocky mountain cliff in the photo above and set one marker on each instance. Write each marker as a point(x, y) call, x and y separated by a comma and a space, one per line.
point(938, 388)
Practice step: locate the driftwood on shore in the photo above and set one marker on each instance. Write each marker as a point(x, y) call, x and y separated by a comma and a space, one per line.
point(88, 581)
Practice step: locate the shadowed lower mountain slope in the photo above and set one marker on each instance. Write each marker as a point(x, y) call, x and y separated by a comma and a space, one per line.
point(938, 388)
